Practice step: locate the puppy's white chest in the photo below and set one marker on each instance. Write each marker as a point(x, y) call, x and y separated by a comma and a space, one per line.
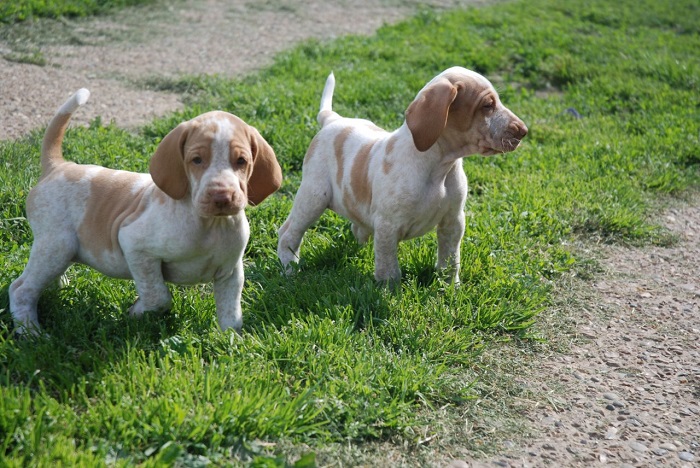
point(425, 214)
point(420, 208)
point(207, 254)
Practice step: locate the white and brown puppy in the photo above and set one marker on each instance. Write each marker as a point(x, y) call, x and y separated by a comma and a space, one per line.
point(184, 223)
point(401, 184)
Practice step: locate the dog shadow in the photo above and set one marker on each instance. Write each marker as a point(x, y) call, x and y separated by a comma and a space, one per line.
point(331, 281)
point(84, 332)
point(87, 329)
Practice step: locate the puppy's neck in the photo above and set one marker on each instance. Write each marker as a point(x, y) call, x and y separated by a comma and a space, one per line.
point(438, 160)
point(452, 149)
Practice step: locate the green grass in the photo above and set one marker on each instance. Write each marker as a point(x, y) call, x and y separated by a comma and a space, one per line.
point(13, 11)
point(327, 359)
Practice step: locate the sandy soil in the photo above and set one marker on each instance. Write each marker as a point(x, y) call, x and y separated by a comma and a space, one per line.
point(111, 55)
point(625, 393)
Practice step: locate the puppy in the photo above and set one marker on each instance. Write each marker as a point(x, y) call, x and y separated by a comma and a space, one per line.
point(184, 223)
point(401, 184)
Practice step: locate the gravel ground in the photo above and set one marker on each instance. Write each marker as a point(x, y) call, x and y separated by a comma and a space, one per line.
point(625, 393)
point(190, 37)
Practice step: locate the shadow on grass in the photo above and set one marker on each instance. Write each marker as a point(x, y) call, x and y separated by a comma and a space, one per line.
point(330, 280)
point(87, 330)
point(83, 334)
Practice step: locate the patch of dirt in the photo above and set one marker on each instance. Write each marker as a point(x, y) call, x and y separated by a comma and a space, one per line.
point(626, 392)
point(111, 55)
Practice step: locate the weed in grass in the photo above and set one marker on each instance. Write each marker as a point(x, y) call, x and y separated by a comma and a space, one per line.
point(21, 10)
point(33, 58)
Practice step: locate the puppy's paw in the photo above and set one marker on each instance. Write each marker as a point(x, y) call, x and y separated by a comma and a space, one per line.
point(391, 285)
point(231, 323)
point(25, 330)
point(140, 306)
point(390, 282)
point(137, 309)
point(290, 268)
point(448, 276)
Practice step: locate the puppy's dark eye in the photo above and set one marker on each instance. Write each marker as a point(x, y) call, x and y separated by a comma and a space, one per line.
point(197, 160)
point(489, 106)
point(241, 162)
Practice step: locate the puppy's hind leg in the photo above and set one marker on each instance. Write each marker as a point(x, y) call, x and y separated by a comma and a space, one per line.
point(309, 204)
point(48, 260)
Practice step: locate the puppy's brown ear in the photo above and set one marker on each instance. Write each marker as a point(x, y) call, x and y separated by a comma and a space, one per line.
point(267, 173)
point(427, 115)
point(167, 165)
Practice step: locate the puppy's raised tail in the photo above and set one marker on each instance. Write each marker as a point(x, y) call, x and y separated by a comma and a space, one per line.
point(51, 151)
point(325, 113)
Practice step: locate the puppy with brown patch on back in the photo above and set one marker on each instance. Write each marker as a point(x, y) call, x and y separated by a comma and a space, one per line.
point(401, 184)
point(183, 223)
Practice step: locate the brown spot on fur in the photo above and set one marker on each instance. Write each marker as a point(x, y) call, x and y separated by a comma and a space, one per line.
point(388, 149)
point(391, 143)
point(71, 171)
point(386, 166)
point(359, 180)
point(112, 204)
point(349, 204)
point(338, 145)
point(312, 149)
point(51, 150)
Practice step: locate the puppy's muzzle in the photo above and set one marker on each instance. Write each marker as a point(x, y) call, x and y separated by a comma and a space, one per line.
point(515, 132)
point(223, 202)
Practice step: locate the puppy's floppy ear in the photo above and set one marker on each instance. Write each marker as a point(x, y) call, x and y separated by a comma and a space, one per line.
point(427, 115)
point(167, 165)
point(267, 173)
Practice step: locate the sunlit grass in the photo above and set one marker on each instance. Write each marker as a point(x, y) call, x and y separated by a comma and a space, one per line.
point(327, 357)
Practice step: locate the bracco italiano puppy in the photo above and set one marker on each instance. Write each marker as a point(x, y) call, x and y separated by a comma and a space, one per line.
point(401, 184)
point(184, 223)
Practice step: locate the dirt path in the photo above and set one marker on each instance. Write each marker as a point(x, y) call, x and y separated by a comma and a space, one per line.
point(625, 393)
point(112, 55)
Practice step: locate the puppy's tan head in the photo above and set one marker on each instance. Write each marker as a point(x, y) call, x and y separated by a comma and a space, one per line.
point(463, 109)
point(222, 162)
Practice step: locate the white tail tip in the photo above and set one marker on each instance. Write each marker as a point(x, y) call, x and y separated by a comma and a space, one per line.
point(76, 100)
point(326, 109)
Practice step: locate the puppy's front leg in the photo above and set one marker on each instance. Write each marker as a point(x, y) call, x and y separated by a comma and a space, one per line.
point(153, 293)
point(227, 295)
point(450, 232)
point(386, 262)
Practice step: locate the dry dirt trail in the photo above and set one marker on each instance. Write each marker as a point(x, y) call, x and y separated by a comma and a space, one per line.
point(624, 391)
point(111, 55)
